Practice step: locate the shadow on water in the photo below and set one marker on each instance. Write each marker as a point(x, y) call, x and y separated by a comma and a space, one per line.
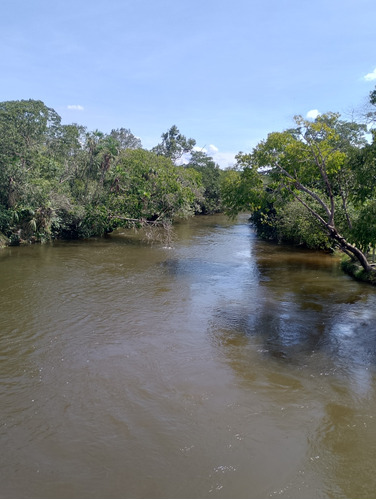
point(302, 305)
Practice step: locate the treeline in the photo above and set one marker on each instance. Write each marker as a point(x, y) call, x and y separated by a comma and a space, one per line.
point(63, 181)
point(313, 185)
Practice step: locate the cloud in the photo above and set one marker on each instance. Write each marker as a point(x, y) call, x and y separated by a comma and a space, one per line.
point(213, 148)
point(313, 113)
point(370, 76)
point(76, 107)
point(225, 159)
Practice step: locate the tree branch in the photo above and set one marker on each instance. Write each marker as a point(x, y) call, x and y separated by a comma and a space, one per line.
point(312, 194)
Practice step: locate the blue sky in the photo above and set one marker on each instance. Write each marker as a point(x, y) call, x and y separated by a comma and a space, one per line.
point(226, 72)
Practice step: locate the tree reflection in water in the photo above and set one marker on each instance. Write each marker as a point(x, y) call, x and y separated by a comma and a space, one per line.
point(306, 339)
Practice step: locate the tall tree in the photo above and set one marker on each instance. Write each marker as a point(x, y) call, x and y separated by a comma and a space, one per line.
point(174, 145)
point(310, 164)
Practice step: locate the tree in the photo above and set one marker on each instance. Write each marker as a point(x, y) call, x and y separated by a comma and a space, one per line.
point(242, 190)
point(371, 111)
point(147, 188)
point(211, 178)
point(174, 144)
point(125, 139)
point(65, 181)
point(364, 227)
point(310, 165)
point(23, 131)
point(362, 163)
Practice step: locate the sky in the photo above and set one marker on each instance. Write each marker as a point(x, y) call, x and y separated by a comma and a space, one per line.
point(225, 72)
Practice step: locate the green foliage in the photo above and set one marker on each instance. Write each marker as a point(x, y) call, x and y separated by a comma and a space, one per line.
point(174, 144)
point(124, 139)
point(294, 224)
point(288, 221)
point(350, 267)
point(312, 186)
point(96, 221)
point(372, 97)
point(62, 181)
point(242, 190)
point(302, 185)
point(211, 176)
point(69, 223)
point(25, 129)
point(6, 218)
point(148, 187)
point(363, 231)
point(362, 164)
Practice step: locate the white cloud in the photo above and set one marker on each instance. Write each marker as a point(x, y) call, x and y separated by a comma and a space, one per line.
point(370, 76)
point(213, 148)
point(313, 113)
point(76, 107)
point(225, 158)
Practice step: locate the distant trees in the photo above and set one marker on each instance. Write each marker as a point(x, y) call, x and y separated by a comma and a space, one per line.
point(174, 146)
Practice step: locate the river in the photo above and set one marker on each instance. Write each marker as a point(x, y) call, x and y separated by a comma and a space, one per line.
point(220, 366)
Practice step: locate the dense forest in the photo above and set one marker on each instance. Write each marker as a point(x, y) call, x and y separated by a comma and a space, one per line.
point(312, 185)
point(63, 181)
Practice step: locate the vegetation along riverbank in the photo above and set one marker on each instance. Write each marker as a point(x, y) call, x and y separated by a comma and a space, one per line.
point(312, 185)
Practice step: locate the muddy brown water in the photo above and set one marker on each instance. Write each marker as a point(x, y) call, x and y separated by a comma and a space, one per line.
point(219, 367)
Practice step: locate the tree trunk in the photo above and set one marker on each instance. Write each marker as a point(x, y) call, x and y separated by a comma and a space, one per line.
point(334, 234)
point(354, 251)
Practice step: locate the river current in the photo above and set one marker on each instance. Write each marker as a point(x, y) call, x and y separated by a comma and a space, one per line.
point(217, 366)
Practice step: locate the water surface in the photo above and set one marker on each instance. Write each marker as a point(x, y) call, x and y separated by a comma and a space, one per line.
point(219, 367)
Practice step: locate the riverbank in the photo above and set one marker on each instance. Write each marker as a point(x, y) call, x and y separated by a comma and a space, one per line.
point(356, 271)
point(348, 266)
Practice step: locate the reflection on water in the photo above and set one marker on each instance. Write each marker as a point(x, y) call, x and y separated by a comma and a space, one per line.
point(220, 367)
point(304, 305)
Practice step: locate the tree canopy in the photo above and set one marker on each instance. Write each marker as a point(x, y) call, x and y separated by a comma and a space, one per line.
point(63, 181)
point(174, 144)
point(325, 167)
